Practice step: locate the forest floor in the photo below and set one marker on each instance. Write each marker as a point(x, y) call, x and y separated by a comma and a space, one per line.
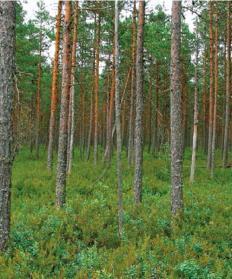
point(81, 240)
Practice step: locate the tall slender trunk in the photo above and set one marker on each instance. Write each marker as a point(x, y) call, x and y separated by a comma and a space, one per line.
point(195, 118)
point(150, 100)
point(7, 70)
point(65, 95)
point(91, 114)
point(72, 92)
point(108, 150)
point(155, 130)
point(96, 87)
point(54, 88)
point(228, 84)
point(215, 96)
point(38, 96)
point(133, 88)
point(139, 107)
point(118, 123)
point(204, 106)
point(176, 121)
point(210, 133)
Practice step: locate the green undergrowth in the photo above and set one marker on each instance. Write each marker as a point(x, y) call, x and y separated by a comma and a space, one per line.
point(80, 241)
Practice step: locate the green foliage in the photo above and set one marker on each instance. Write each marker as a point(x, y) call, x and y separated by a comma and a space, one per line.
point(81, 240)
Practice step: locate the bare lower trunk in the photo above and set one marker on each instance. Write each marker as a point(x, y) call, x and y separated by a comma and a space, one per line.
point(118, 124)
point(195, 118)
point(72, 92)
point(139, 108)
point(37, 125)
point(210, 133)
point(133, 87)
point(228, 79)
point(63, 131)
point(7, 70)
point(54, 88)
point(176, 121)
point(215, 97)
point(96, 88)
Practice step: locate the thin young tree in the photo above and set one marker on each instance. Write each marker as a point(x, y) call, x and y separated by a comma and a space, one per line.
point(138, 146)
point(228, 82)
point(215, 95)
point(195, 117)
point(118, 122)
point(64, 108)
point(54, 88)
point(7, 70)
point(38, 95)
point(96, 86)
point(211, 82)
point(72, 91)
point(133, 87)
point(176, 121)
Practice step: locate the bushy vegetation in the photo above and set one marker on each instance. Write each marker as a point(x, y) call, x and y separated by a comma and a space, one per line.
point(81, 240)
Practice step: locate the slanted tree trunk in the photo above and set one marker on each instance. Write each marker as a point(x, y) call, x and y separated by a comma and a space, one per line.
point(118, 123)
point(64, 108)
point(96, 87)
point(210, 133)
point(7, 70)
point(195, 117)
point(139, 107)
point(38, 96)
point(176, 121)
point(133, 88)
point(215, 97)
point(228, 79)
point(72, 91)
point(54, 88)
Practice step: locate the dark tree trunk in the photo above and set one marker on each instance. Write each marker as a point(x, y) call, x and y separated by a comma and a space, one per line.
point(63, 131)
point(176, 121)
point(139, 107)
point(7, 69)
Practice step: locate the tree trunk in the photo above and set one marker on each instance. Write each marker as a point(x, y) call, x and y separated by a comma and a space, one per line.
point(209, 159)
point(195, 118)
point(133, 88)
point(228, 79)
point(204, 106)
point(7, 70)
point(72, 91)
point(91, 114)
point(108, 151)
point(54, 93)
point(38, 93)
point(176, 121)
point(215, 96)
point(139, 107)
point(65, 94)
point(118, 123)
point(96, 87)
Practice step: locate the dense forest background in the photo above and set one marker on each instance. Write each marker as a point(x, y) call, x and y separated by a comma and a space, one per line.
point(131, 103)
